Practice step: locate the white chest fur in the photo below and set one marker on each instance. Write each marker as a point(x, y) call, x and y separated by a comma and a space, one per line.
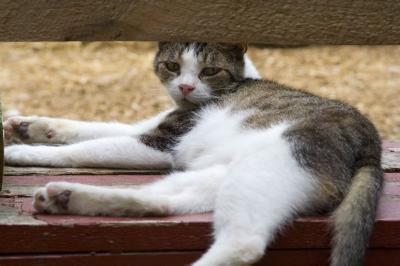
point(219, 137)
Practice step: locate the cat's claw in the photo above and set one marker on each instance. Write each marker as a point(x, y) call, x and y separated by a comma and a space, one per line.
point(53, 198)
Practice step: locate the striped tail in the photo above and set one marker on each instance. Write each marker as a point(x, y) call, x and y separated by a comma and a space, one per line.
point(353, 220)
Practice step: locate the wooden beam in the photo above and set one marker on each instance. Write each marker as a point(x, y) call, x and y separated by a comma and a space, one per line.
point(287, 22)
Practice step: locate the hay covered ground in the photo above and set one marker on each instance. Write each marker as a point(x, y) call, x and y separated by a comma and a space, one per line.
point(115, 81)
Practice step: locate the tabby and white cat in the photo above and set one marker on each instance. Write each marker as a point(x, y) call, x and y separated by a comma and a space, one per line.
point(257, 153)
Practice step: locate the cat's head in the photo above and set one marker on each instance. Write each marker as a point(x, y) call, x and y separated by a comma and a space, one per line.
point(195, 73)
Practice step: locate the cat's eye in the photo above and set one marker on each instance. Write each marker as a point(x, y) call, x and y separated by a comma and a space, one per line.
point(172, 66)
point(210, 71)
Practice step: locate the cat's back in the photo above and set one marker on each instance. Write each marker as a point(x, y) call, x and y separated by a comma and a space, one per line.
point(270, 96)
point(321, 130)
point(273, 103)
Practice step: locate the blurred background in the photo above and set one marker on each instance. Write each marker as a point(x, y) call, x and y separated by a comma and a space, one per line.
point(115, 81)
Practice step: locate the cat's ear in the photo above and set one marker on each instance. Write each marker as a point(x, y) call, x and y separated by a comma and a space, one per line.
point(243, 46)
point(238, 48)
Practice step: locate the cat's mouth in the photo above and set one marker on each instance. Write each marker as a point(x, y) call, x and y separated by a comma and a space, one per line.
point(188, 100)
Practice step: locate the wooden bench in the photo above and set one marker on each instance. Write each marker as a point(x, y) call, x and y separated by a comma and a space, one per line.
point(37, 239)
point(29, 238)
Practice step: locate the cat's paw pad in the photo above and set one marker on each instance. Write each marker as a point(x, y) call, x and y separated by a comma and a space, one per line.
point(54, 198)
point(16, 129)
point(20, 129)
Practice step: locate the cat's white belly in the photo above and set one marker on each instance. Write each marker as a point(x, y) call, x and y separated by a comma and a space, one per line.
point(219, 138)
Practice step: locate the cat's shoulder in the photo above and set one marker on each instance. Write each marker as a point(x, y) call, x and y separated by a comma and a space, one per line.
point(265, 90)
point(272, 86)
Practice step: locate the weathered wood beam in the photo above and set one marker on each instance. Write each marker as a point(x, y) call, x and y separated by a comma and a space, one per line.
point(271, 21)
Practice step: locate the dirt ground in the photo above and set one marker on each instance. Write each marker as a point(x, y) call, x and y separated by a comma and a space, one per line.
point(115, 81)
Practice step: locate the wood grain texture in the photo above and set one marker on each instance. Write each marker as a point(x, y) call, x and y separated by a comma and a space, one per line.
point(317, 257)
point(52, 171)
point(270, 21)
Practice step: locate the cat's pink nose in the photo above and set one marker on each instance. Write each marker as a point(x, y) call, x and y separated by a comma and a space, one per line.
point(186, 89)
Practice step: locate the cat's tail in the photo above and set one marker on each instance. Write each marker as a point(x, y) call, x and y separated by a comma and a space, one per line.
point(354, 218)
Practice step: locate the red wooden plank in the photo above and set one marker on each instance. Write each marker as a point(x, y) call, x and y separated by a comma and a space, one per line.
point(390, 144)
point(105, 180)
point(318, 257)
point(177, 233)
point(104, 238)
point(392, 177)
point(140, 259)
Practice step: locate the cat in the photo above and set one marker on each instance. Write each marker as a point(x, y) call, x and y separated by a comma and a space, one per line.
point(257, 153)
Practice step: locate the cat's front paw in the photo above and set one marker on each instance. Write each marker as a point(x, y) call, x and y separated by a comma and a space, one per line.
point(28, 155)
point(19, 155)
point(54, 198)
point(27, 129)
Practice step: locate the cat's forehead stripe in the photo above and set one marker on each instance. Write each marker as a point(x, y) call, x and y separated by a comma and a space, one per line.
point(193, 50)
point(189, 56)
point(196, 47)
point(189, 62)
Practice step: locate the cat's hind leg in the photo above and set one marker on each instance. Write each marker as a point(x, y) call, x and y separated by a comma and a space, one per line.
point(259, 195)
point(182, 192)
